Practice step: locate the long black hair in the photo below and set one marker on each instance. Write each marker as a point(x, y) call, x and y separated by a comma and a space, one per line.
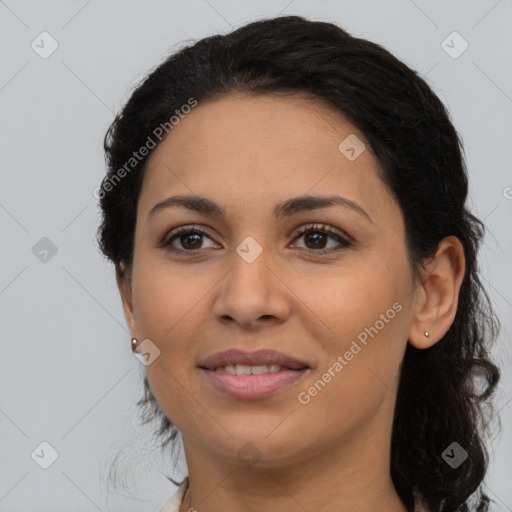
point(421, 156)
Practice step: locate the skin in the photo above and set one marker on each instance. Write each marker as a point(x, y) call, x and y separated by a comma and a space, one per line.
point(248, 153)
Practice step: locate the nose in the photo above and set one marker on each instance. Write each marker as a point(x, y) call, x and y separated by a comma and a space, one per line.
point(252, 294)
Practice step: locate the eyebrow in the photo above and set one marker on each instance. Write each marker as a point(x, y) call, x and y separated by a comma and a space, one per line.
point(283, 209)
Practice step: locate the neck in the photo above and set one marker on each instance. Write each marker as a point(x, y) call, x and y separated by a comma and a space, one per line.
point(352, 476)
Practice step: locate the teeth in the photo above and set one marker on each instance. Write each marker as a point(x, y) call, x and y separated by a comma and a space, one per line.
point(258, 370)
point(242, 369)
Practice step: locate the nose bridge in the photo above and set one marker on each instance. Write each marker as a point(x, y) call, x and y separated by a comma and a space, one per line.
point(249, 291)
point(250, 263)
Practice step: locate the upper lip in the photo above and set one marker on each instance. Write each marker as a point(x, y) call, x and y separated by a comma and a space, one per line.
point(257, 358)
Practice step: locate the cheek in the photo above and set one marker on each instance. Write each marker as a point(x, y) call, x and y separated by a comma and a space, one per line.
point(358, 301)
point(164, 299)
point(168, 313)
point(360, 375)
point(343, 405)
point(366, 323)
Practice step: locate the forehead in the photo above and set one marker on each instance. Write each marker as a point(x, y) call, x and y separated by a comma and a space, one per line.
point(257, 147)
point(240, 123)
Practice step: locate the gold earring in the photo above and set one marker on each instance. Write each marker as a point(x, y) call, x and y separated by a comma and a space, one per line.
point(134, 344)
point(426, 333)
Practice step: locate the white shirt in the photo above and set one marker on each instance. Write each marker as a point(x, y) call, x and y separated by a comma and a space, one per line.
point(174, 502)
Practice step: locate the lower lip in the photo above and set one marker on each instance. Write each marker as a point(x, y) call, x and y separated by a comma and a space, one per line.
point(252, 386)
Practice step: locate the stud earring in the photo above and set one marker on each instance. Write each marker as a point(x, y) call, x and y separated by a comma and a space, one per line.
point(134, 344)
point(427, 334)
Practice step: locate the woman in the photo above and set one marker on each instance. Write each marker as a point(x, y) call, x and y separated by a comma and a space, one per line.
point(285, 209)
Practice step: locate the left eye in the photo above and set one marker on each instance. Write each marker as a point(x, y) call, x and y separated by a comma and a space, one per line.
point(316, 236)
point(319, 234)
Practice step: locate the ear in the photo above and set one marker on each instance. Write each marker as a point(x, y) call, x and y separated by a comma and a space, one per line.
point(124, 284)
point(437, 295)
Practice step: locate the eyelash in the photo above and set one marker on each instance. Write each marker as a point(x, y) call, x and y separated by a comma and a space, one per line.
point(315, 228)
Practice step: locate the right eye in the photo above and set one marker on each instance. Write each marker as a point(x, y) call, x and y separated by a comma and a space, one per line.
point(189, 238)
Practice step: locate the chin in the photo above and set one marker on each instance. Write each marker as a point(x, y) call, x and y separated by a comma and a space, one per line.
point(251, 447)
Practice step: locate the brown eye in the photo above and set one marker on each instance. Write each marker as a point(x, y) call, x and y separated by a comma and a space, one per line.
point(190, 239)
point(317, 236)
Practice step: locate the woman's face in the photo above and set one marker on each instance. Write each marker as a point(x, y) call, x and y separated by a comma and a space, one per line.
point(249, 281)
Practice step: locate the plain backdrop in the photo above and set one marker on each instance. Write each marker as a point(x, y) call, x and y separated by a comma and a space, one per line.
point(68, 378)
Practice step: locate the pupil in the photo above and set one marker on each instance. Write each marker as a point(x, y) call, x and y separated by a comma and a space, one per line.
point(190, 236)
point(317, 241)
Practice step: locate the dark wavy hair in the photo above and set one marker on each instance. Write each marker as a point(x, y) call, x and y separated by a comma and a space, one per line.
point(445, 391)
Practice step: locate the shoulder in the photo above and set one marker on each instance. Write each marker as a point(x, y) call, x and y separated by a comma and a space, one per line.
point(174, 502)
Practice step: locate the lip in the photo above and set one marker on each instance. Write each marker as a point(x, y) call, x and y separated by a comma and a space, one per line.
point(259, 357)
point(252, 386)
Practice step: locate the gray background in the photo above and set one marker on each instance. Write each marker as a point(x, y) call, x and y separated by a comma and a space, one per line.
point(67, 374)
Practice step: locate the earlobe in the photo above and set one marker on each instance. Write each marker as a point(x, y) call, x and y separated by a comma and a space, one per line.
point(438, 294)
point(123, 279)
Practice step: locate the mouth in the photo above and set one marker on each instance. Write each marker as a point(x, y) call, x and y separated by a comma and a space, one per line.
point(251, 375)
point(259, 360)
point(243, 369)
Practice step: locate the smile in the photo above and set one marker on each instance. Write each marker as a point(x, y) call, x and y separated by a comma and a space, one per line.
point(252, 385)
point(251, 375)
point(242, 369)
